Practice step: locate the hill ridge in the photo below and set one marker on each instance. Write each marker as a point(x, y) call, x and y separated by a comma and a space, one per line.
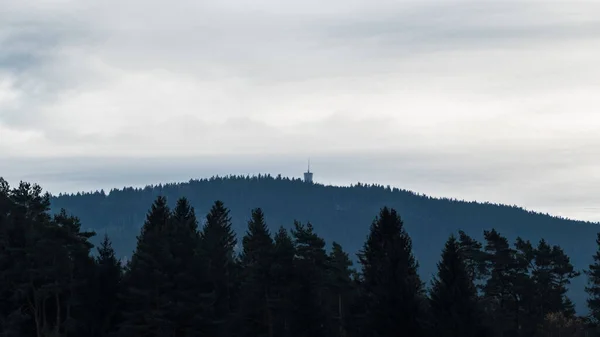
point(294, 179)
point(338, 213)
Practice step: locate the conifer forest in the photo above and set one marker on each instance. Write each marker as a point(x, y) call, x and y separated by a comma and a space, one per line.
point(191, 274)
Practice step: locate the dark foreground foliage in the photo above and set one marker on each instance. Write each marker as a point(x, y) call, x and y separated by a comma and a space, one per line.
point(187, 278)
point(338, 213)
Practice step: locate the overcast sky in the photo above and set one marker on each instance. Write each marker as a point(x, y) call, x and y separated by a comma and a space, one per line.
point(481, 100)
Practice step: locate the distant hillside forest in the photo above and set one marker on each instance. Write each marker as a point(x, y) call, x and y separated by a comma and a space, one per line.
point(342, 214)
point(199, 278)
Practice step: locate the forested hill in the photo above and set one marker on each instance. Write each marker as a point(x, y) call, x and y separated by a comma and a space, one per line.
point(343, 214)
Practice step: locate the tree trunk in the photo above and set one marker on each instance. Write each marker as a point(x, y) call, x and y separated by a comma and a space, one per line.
point(34, 307)
point(57, 327)
point(269, 314)
point(44, 316)
point(341, 316)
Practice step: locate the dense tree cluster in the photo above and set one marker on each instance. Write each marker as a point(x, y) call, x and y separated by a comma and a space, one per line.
point(339, 213)
point(196, 278)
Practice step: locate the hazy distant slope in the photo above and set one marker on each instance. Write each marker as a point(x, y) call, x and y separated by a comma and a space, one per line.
point(342, 214)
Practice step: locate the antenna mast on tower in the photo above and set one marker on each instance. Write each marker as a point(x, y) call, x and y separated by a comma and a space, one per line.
point(308, 176)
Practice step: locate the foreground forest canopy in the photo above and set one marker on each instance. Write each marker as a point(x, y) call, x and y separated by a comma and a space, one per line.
point(341, 214)
point(187, 279)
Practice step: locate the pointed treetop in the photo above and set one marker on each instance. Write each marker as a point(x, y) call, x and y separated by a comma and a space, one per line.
point(217, 229)
point(218, 213)
point(158, 216)
point(283, 239)
point(453, 302)
point(257, 223)
point(257, 243)
point(185, 215)
point(452, 266)
point(106, 253)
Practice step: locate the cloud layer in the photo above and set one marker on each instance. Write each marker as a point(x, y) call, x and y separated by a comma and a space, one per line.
point(475, 93)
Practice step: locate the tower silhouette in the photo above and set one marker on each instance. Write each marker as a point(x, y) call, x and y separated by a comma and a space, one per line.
point(308, 176)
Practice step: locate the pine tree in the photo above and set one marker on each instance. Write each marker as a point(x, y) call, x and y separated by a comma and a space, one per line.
point(473, 256)
point(23, 223)
point(44, 261)
point(453, 303)
point(341, 287)
point(393, 289)
point(256, 310)
point(562, 273)
point(552, 272)
point(310, 313)
point(593, 288)
point(509, 286)
point(80, 268)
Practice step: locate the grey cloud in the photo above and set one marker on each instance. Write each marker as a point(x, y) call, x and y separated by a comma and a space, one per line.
point(419, 38)
point(25, 46)
point(35, 50)
point(258, 45)
point(266, 60)
point(434, 26)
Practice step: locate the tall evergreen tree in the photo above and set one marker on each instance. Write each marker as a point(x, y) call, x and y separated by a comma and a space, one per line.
point(341, 287)
point(473, 256)
point(218, 242)
point(182, 282)
point(551, 273)
point(80, 268)
point(43, 265)
point(392, 286)
point(147, 282)
point(453, 303)
point(593, 288)
point(192, 294)
point(283, 277)
point(256, 310)
point(310, 312)
point(168, 291)
point(509, 285)
point(103, 303)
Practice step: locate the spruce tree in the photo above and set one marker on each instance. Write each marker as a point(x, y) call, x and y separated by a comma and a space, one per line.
point(218, 242)
point(167, 289)
point(105, 285)
point(394, 292)
point(283, 277)
point(192, 294)
point(147, 282)
point(453, 298)
point(256, 312)
point(593, 288)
